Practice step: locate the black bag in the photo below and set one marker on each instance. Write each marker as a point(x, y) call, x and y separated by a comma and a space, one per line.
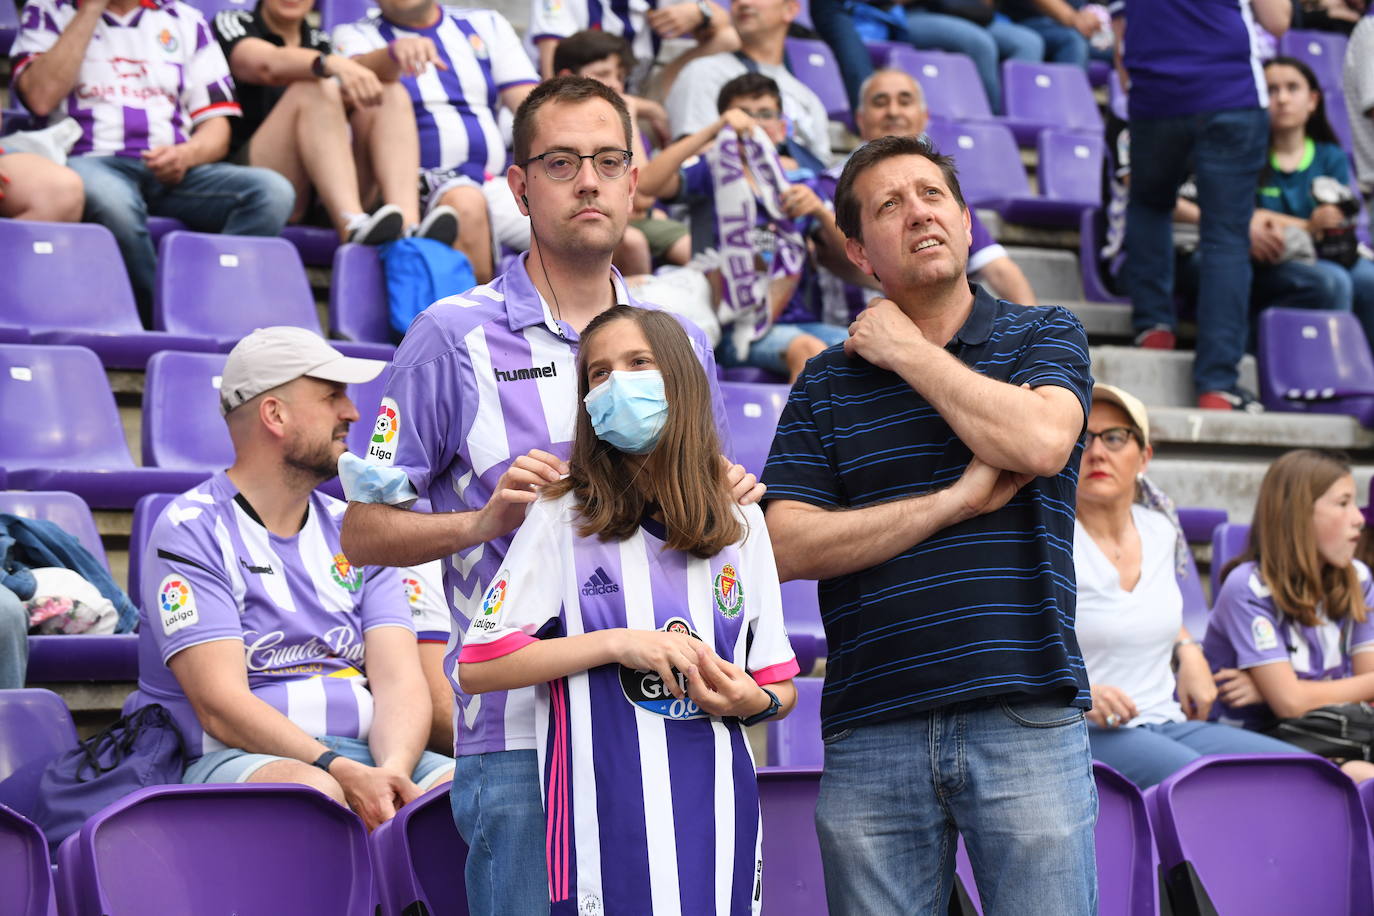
point(1343, 731)
point(142, 749)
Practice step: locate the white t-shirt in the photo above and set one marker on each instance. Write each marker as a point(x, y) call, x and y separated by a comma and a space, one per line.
point(1127, 638)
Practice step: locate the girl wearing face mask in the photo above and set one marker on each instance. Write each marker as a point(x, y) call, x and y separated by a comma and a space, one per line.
point(1152, 689)
point(645, 605)
point(1291, 629)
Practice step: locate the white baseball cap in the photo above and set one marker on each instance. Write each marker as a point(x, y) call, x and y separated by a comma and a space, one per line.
point(270, 357)
point(1127, 402)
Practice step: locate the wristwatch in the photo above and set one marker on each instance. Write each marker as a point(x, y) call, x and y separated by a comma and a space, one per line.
point(705, 9)
point(317, 66)
point(325, 760)
point(774, 705)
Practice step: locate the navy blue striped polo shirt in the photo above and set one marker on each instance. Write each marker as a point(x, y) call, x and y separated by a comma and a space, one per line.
point(982, 608)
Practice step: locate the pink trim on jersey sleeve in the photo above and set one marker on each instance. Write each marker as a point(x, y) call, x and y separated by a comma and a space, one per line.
point(783, 671)
point(513, 642)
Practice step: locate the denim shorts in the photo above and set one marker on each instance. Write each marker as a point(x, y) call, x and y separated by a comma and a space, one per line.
point(769, 351)
point(236, 765)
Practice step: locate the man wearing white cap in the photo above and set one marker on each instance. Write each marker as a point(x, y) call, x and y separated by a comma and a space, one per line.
point(280, 660)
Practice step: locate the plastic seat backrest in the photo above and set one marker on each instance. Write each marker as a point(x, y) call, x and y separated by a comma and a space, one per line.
point(146, 513)
point(1070, 167)
point(949, 82)
point(65, 276)
point(182, 425)
point(753, 409)
point(66, 510)
point(989, 163)
point(357, 296)
point(1051, 94)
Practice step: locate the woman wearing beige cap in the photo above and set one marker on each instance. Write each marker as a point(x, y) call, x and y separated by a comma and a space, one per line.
point(1152, 689)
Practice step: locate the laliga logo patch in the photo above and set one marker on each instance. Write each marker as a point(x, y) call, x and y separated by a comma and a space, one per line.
point(176, 604)
point(646, 689)
point(167, 40)
point(413, 589)
point(492, 602)
point(1263, 634)
point(345, 574)
point(729, 593)
point(381, 449)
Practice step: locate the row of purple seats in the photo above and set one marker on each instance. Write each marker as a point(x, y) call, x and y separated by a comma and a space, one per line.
point(67, 434)
point(315, 244)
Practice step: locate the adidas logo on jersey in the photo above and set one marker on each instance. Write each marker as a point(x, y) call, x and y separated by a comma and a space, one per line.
point(598, 583)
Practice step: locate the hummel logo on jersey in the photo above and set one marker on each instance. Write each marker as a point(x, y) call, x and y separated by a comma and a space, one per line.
point(260, 570)
point(517, 375)
point(598, 583)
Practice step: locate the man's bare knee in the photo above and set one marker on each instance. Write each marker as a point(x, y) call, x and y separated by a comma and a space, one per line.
point(313, 93)
point(301, 773)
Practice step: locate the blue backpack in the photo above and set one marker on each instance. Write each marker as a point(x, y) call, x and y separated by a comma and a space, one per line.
point(419, 272)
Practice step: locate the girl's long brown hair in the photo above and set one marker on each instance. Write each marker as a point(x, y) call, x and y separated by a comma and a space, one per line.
point(1284, 545)
point(683, 476)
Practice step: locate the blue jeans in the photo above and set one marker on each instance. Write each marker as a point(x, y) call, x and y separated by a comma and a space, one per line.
point(1013, 776)
point(1146, 754)
point(1356, 284)
point(769, 351)
point(499, 811)
point(1227, 149)
point(121, 193)
point(836, 26)
point(1063, 45)
point(14, 640)
point(1002, 40)
point(1297, 285)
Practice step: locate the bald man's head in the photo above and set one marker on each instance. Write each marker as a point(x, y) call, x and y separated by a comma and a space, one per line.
point(890, 103)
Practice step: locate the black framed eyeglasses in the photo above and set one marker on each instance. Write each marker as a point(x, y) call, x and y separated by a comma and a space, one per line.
point(1114, 438)
point(563, 164)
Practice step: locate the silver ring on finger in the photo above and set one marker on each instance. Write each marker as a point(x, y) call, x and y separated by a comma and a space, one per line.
point(1113, 720)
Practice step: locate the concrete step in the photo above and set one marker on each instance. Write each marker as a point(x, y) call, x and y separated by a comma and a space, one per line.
point(1104, 321)
point(1160, 378)
point(1226, 484)
point(1053, 273)
point(1176, 430)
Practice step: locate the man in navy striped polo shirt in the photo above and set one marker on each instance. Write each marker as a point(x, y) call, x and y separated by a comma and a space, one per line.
point(925, 473)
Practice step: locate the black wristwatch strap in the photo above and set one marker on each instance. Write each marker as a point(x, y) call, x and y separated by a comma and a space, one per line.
point(773, 706)
point(317, 66)
point(325, 760)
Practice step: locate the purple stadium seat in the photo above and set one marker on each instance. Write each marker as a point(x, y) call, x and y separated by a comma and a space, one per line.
point(1089, 244)
point(991, 174)
point(1263, 835)
point(796, 740)
point(65, 283)
point(1199, 522)
point(17, 335)
point(251, 848)
point(1339, 118)
point(35, 727)
point(316, 244)
point(1318, 362)
point(67, 510)
point(225, 286)
point(752, 411)
point(948, 81)
point(801, 612)
point(15, 119)
point(58, 659)
point(182, 426)
point(1099, 73)
point(357, 295)
point(1070, 167)
point(25, 872)
point(1195, 607)
point(1039, 95)
point(9, 26)
point(210, 7)
point(146, 513)
point(793, 882)
point(1228, 540)
point(1127, 863)
point(1366, 790)
point(418, 856)
point(1117, 97)
point(1324, 52)
point(965, 895)
point(813, 63)
point(158, 226)
point(333, 12)
point(72, 438)
point(750, 374)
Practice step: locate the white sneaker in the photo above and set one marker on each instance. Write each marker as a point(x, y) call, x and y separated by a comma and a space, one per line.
point(386, 225)
point(440, 224)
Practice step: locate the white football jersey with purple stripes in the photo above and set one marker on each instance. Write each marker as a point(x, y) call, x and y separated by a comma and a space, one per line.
point(213, 572)
point(651, 804)
point(455, 109)
point(147, 77)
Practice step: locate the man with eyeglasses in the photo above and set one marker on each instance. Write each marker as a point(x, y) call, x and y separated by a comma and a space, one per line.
point(478, 413)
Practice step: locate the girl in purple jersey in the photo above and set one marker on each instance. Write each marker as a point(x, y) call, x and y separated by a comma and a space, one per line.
point(645, 605)
point(1291, 628)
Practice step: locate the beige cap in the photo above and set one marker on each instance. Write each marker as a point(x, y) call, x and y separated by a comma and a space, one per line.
point(1127, 402)
point(274, 356)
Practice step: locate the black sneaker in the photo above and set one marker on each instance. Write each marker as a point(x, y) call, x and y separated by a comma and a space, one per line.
point(1234, 399)
point(386, 225)
point(440, 224)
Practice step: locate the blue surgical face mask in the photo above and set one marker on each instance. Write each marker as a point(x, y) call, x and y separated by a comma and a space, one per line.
point(629, 410)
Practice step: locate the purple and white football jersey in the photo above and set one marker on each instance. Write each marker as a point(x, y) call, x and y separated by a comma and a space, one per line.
point(651, 804)
point(424, 588)
point(147, 78)
point(455, 109)
point(479, 380)
point(300, 608)
point(1247, 630)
